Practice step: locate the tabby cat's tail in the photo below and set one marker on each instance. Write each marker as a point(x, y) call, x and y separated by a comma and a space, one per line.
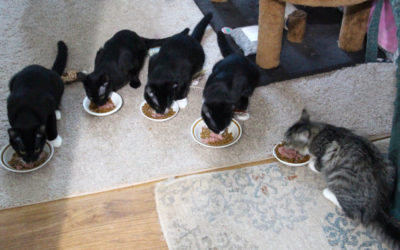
point(390, 227)
point(198, 31)
point(61, 59)
point(223, 45)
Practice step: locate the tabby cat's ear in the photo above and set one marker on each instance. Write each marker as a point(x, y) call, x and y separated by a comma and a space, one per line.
point(304, 116)
point(12, 133)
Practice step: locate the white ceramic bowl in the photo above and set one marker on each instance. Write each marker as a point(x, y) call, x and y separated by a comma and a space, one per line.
point(116, 99)
point(288, 163)
point(8, 151)
point(174, 106)
point(233, 128)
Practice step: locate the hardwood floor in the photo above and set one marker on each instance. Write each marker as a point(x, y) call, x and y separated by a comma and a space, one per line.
point(119, 219)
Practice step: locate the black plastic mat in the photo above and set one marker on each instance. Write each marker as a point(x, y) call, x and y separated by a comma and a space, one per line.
point(318, 53)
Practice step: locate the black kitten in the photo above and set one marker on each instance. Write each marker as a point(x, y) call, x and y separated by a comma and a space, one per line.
point(116, 64)
point(35, 96)
point(172, 69)
point(228, 88)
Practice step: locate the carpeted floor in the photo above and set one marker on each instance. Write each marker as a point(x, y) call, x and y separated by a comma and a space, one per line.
point(124, 149)
point(318, 53)
point(269, 206)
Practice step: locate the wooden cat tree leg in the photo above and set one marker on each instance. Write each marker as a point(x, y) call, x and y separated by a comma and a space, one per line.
point(354, 27)
point(270, 29)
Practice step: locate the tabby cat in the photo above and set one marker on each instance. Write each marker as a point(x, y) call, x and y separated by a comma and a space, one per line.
point(359, 179)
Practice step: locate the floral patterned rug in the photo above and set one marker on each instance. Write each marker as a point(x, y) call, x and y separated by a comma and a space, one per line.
point(263, 207)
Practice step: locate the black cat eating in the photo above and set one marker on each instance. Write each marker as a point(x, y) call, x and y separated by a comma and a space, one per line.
point(228, 88)
point(33, 103)
point(172, 69)
point(116, 64)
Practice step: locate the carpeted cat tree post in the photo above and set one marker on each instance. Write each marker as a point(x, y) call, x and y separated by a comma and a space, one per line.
point(271, 22)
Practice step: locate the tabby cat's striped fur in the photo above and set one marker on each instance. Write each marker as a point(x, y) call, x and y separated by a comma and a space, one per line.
point(355, 171)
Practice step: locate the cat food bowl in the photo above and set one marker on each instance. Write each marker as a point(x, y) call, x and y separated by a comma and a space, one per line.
point(115, 98)
point(7, 154)
point(290, 162)
point(201, 134)
point(150, 114)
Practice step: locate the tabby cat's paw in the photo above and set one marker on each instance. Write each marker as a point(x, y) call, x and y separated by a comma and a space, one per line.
point(56, 142)
point(311, 165)
point(58, 114)
point(182, 103)
point(330, 196)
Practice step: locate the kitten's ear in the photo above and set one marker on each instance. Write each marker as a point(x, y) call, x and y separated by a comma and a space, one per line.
point(81, 76)
point(12, 133)
point(304, 116)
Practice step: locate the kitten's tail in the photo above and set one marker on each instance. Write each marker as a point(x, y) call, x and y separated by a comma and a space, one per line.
point(223, 45)
point(390, 227)
point(61, 59)
point(198, 31)
point(151, 43)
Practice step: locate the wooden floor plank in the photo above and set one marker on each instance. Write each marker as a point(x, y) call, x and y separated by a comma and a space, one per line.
point(118, 219)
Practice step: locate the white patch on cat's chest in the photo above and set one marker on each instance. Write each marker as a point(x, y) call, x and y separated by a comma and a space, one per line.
point(102, 89)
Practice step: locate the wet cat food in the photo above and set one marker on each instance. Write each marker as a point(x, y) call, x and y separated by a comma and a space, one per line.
point(17, 162)
point(149, 112)
point(290, 155)
point(212, 139)
point(104, 108)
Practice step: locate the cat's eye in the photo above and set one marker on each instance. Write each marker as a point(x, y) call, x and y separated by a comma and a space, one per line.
point(37, 150)
point(22, 152)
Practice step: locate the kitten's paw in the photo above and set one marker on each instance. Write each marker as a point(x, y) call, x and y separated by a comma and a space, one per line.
point(56, 142)
point(58, 114)
point(311, 165)
point(330, 196)
point(242, 115)
point(182, 103)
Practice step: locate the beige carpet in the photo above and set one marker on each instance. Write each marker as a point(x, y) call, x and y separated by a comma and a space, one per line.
point(104, 153)
point(269, 206)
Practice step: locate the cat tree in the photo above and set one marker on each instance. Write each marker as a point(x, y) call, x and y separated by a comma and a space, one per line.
point(271, 23)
